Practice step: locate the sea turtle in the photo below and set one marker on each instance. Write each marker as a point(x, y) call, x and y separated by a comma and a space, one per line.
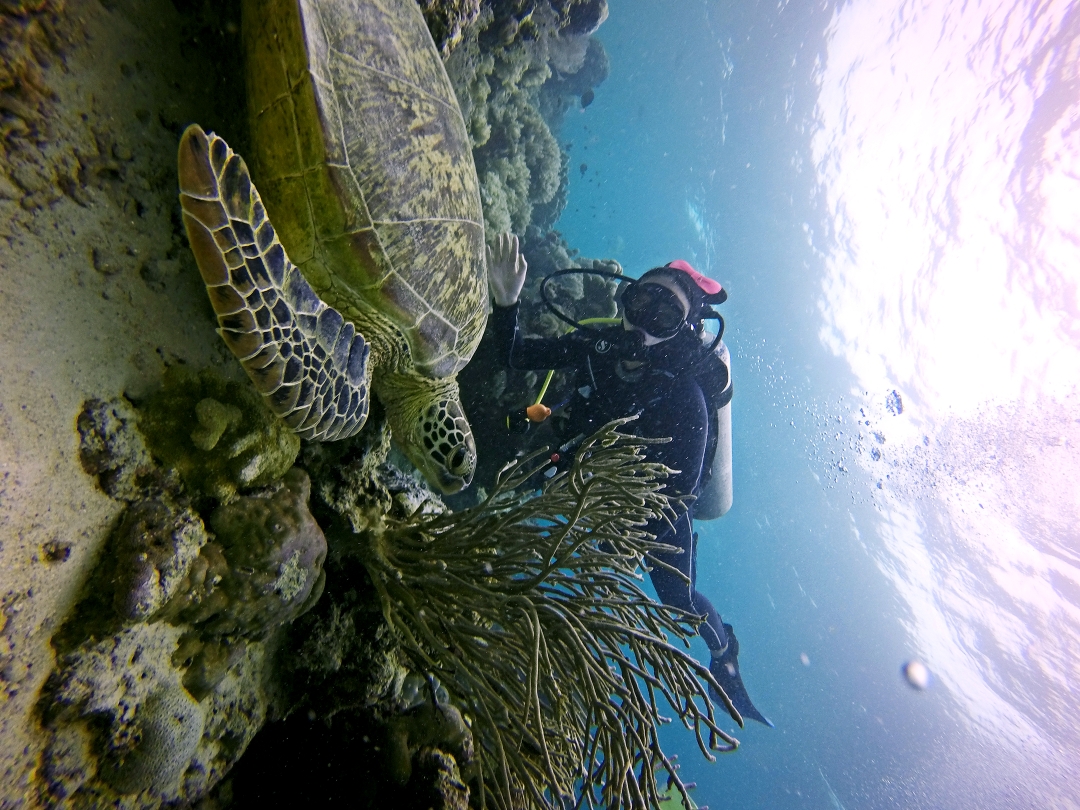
point(365, 167)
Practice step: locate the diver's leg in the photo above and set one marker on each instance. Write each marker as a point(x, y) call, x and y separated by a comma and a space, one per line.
point(673, 590)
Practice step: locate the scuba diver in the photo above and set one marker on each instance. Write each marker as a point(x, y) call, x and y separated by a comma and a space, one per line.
point(656, 365)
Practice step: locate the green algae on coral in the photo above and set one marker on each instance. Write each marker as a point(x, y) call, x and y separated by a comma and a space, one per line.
point(531, 612)
point(216, 433)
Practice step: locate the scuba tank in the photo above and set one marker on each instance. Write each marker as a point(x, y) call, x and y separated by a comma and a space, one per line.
point(715, 490)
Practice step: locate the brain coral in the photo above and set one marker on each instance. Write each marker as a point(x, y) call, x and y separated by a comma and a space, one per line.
point(123, 693)
point(157, 751)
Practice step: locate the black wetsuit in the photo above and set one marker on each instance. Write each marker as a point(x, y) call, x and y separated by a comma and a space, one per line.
point(669, 403)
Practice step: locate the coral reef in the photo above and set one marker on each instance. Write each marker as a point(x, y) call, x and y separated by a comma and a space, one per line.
point(544, 589)
point(448, 791)
point(517, 71)
point(111, 449)
point(202, 617)
point(351, 701)
point(263, 568)
point(122, 723)
point(426, 718)
point(216, 433)
point(513, 72)
point(181, 647)
point(580, 17)
point(155, 545)
point(97, 293)
point(579, 296)
point(447, 20)
point(132, 704)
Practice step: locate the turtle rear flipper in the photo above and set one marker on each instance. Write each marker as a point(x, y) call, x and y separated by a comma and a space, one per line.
point(309, 363)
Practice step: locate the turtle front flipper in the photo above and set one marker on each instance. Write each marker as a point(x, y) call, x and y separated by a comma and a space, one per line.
point(307, 361)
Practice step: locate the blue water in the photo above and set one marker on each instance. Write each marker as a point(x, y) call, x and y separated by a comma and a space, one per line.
point(885, 191)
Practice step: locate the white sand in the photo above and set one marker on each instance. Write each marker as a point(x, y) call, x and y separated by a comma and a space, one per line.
point(72, 331)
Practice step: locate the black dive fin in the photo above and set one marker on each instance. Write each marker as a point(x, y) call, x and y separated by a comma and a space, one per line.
point(725, 669)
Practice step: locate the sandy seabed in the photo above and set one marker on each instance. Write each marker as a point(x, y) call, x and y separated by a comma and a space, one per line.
point(98, 293)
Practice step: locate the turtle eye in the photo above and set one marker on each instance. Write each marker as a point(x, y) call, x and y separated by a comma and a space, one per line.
point(457, 461)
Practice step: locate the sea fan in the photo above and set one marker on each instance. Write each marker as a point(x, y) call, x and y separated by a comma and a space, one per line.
point(529, 609)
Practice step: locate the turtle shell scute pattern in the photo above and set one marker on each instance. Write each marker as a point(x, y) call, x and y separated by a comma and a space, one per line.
point(393, 219)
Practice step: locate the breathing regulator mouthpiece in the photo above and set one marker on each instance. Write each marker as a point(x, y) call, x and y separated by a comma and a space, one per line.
point(521, 420)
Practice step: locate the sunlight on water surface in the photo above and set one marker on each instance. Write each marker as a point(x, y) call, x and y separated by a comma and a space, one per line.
point(949, 153)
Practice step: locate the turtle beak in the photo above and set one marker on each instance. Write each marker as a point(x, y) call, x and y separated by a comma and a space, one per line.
point(451, 485)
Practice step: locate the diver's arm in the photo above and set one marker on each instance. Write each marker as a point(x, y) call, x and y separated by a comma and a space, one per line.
point(506, 277)
point(531, 352)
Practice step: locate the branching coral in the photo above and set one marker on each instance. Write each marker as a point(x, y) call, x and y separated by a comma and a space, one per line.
point(529, 609)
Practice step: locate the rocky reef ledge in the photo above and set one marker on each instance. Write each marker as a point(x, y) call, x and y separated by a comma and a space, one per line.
point(175, 570)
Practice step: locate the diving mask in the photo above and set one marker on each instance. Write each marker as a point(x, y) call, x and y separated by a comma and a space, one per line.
point(654, 308)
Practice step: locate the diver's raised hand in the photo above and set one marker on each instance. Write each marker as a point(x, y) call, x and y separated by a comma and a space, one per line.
point(506, 269)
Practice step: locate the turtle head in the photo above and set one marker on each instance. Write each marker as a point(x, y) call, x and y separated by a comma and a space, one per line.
point(429, 425)
point(448, 456)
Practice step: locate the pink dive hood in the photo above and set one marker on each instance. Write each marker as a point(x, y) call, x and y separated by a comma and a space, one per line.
point(712, 291)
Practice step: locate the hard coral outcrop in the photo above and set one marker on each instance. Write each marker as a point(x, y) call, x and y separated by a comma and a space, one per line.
point(138, 726)
point(264, 566)
point(216, 433)
point(164, 670)
point(351, 702)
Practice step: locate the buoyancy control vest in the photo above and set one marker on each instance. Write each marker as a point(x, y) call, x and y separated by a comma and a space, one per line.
point(710, 368)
